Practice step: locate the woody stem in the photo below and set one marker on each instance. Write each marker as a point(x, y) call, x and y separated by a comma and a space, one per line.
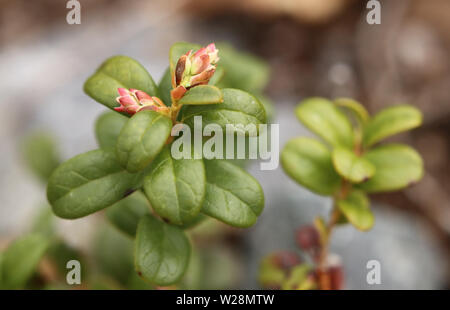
point(324, 277)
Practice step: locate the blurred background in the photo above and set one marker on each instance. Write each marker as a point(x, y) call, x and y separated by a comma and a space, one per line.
point(313, 48)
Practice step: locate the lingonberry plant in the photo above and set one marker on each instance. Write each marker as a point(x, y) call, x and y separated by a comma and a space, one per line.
point(134, 167)
point(347, 164)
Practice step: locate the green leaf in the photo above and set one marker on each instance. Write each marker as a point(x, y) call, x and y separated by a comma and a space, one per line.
point(21, 259)
point(202, 94)
point(357, 108)
point(242, 70)
point(351, 167)
point(296, 277)
point(107, 129)
point(179, 49)
point(112, 253)
point(232, 195)
point(141, 139)
point(397, 166)
point(326, 120)
point(88, 183)
point(391, 121)
point(41, 155)
point(165, 87)
point(356, 209)
point(125, 214)
point(238, 107)
point(116, 72)
point(161, 251)
point(44, 223)
point(308, 162)
point(176, 188)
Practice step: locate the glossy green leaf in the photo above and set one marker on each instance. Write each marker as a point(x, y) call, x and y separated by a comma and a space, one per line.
point(357, 108)
point(351, 167)
point(107, 128)
point(176, 188)
point(141, 139)
point(116, 72)
point(179, 49)
point(242, 70)
point(238, 107)
point(391, 121)
point(309, 163)
point(21, 259)
point(202, 94)
point(165, 87)
point(356, 209)
point(161, 251)
point(232, 195)
point(41, 155)
point(125, 214)
point(326, 120)
point(397, 166)
point(88, 183)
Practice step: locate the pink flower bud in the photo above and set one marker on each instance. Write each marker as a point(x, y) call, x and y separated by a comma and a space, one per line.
point(133, 100)
point(194, 69)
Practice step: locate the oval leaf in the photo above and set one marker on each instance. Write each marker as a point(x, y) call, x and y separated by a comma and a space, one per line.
point(87, 183)
point(176, 188)
point(397, 166)
point(309, 163)
point(237, 109)
point(326, 120)
point(202, 94)
point(20, 260)
point(357, 108)
point(351, 167)
point(391, 121)
point(125, 214)
point(161, 251)
point(141, 139)
point(165, 87)
point(115, 72)
point(232, 195)
point(107, 129)
point(357, 210)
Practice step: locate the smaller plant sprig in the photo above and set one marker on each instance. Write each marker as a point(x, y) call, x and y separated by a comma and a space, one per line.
point(351, 163)
point(151, 196)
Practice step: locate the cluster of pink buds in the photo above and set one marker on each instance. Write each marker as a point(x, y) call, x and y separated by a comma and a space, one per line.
point(194, 69)
point(133, 100)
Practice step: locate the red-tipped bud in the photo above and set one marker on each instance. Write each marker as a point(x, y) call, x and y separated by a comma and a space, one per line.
point(133, 100)
point(194, 69)
point(308, 238)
